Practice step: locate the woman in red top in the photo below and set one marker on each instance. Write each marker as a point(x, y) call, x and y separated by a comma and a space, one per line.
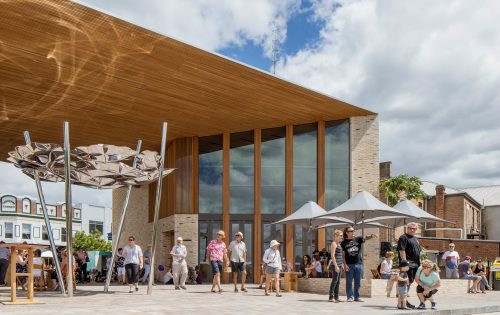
point(216, 253)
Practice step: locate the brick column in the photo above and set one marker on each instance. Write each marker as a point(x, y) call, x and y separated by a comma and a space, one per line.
point(440, 192)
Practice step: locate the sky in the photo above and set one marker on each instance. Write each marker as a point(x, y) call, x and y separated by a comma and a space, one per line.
point(431, 69)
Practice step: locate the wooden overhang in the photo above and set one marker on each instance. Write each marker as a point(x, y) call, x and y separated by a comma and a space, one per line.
point(115, 82)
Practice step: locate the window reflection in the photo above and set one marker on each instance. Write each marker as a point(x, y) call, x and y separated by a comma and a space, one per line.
point(241, 181)
point(210, 174)
point(273, 171)
point(336, 163)
point(305, 156)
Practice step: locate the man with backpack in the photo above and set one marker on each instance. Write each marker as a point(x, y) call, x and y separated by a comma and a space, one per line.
point(451, 259)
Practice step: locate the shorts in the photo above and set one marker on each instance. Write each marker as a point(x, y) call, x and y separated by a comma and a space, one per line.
point(216, 266)
point(471, 277)
point(403, 291)
point(272, 270)
point(238, 266)
point(120, 271)
point(385, 276)
point(421, 290)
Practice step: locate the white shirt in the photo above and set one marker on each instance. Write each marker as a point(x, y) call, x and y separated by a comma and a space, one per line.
point(178, 250)
point(386, 266)
point(37, 261)
point(167, 277)
point(272, 258)
point(318, 266)
point(132, 255)
point(451, 256)
point(237, 249)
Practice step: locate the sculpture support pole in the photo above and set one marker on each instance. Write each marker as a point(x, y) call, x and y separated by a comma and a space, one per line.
point(47, 221)
point(69, 211)
point(157, 206)
point(120, 224)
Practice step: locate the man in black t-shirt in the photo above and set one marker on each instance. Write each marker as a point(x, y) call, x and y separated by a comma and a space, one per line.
point(409, 249)
point(353, 262)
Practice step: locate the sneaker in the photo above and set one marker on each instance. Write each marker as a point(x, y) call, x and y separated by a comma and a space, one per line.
point(409, 305)
point(244, 290)
point(433, 306)
point(267, 294)
point(130, 291)
point(136, 289)
point(278, 295)
point(236, 290)
point(183, 287)
point(260, 286)
point(421, 306)
point(388, 295)
point(358, 300)
point(330, 300)
point(350, 299)
point(177, 288)
point(337, 301)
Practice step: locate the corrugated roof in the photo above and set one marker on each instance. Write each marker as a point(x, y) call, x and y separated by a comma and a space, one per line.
point(430, 188)
point(489, 195)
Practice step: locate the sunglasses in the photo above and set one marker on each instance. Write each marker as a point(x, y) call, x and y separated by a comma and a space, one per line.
point(130, 240)
point(350, 231)
point(412, 228)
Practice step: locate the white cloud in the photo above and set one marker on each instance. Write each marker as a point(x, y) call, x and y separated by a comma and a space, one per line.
point(429, 68)
point(211, 25)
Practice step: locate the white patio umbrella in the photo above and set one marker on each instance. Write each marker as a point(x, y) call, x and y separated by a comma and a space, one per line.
point(343, 225)
point(361, 207)
point(307, 216)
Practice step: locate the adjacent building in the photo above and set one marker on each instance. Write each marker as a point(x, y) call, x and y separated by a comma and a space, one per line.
point(489, 198)
point(21, 220)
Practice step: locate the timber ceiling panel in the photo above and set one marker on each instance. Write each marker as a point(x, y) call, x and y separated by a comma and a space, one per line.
point(116, 82)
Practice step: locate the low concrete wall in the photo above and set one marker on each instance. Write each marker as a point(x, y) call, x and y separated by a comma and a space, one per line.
point(375, 287)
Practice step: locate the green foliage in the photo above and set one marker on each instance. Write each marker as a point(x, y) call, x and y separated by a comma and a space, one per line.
point(394, 186)
point(90, 242)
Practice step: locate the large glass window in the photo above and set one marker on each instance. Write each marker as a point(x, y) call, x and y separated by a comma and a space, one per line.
point(336, 163)
point(9, 204)
point(207, 230)
point(9, 230)
point(241, 172)
point(96, 226)
point(273, 171)
point(305, 237)
point(273, 232)
point(210, 174)
point(305, 163)
point(26, 231)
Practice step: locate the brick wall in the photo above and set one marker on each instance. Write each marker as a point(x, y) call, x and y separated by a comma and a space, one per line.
point(474, 248)
point(365, 173)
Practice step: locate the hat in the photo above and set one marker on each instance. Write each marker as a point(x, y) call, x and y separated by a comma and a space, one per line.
point(403, 263)
point(468, 258)
point(221, 233)
point(179, 239)
point(239, 234)
point(274, 243)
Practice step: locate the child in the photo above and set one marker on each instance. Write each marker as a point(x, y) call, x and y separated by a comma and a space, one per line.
point(403, 284)
point(120, 266)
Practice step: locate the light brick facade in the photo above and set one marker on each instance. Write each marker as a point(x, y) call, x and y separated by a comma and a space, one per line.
point(365, 175)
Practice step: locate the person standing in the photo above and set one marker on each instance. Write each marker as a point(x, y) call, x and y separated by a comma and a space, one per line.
point(147, 265)
point(353, 262)
point(238, 255)
point(120, 266)
point(134, 261)
point(451, 259)
point(409, 249)
point(179, 265)
point(84, 258)
point(217, 253)
point(272, 259)
point(4, 263)
point(337, 261)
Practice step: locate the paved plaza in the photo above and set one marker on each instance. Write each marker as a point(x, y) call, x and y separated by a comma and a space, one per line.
point(198, 300)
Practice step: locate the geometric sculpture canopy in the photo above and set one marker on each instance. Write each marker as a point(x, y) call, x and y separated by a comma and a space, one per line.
point(96, 166)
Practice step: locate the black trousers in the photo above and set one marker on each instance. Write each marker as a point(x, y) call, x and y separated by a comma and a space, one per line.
point(334, 286)
point(4, 264)
point(132, 272)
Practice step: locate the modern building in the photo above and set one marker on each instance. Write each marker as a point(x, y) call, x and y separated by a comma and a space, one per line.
point(489, 198)
point(249, 147)
point(21, 220)
point(96, 218)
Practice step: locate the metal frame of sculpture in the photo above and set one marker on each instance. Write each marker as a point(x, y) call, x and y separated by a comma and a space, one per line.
point(97, 166)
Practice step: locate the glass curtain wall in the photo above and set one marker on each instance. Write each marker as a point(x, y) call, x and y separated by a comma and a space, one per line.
point(305, 164)
point(273, 171)
point(210, 174)
point(337, 167)
point(241, 173)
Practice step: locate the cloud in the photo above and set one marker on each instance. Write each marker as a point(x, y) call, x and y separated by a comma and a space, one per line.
point(211, 25)
point(17, 184)
point(429, 68)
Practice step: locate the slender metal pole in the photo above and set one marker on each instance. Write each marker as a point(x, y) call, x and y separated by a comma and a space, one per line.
point(47, 221)
point(120, 224)
point(157, 207)
point(69, 211)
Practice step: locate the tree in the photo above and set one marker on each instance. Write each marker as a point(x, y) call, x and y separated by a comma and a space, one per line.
point(89, 242)
point(403, 184)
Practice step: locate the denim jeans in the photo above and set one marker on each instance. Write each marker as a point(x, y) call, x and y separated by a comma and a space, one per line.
point(145, 278)
point(334, 286)
point(355, 272)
